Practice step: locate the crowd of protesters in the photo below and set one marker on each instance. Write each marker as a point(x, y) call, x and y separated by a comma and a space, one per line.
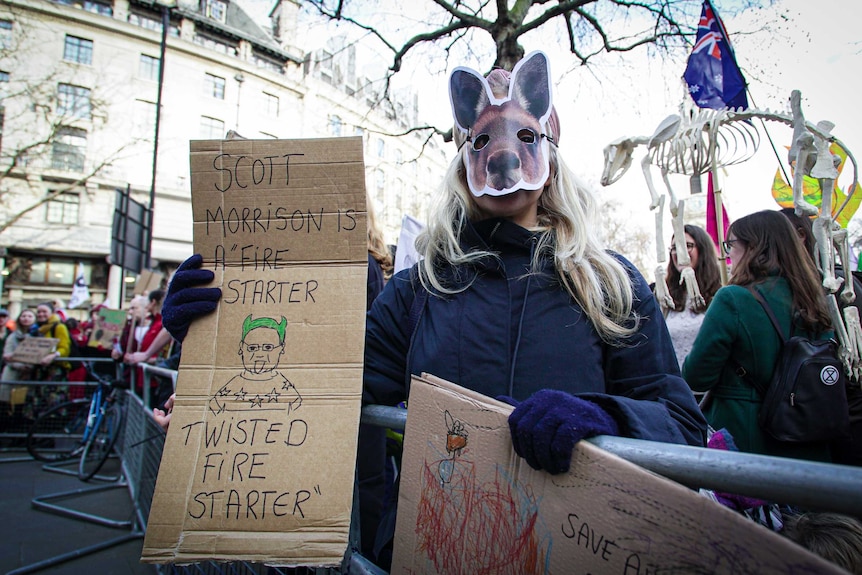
point(515, 285)
point(29, 384)
point(517, 298)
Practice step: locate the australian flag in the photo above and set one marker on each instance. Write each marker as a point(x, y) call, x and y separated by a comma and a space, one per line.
point(713, 77)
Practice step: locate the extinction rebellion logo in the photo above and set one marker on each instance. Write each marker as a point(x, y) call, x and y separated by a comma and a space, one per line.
point(829, 375)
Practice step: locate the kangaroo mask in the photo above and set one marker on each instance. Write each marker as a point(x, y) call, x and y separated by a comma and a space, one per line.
point(501, 123)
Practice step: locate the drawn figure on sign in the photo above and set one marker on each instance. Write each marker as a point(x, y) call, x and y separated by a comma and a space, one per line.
point(456, 440)
point(260, 387)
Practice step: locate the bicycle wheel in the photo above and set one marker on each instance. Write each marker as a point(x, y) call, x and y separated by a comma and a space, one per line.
point(58, 433)
point(101, 443)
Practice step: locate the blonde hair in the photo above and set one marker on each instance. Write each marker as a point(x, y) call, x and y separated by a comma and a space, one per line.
point(568, 219)
point(376, 243)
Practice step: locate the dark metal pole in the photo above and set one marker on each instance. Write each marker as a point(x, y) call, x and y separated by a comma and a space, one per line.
point(166, 22)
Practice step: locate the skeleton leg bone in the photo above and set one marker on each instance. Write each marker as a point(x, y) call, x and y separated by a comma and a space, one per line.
point(804, 156)
point(854, 342)
point(839, 238)
point(661, 292)
point(646, 165)
point(845, 348)
point(687, 275)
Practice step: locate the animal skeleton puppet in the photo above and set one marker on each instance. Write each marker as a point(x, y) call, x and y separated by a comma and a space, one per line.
point(709, 139)
point(503, 131)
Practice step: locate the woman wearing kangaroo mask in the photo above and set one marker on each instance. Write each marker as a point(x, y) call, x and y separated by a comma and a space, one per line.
point(516, 297)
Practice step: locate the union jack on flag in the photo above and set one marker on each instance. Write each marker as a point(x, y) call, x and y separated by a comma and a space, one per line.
point(712, 74)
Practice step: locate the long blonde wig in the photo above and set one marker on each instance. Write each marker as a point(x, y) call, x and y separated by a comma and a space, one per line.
point(568, 220)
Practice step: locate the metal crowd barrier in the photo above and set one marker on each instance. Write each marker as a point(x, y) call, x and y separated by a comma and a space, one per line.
point(814, 486)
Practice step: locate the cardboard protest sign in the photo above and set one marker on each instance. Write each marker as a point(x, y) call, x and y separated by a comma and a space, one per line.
point(147, 281)
point(469, 504)
point(406, 255)
point(34, 349)
point(108, 329)
point(260, 455)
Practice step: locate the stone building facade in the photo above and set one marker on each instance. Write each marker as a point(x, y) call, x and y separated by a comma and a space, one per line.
point(79, 81)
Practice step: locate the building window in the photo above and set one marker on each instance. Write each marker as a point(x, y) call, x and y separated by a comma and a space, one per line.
point(334, 126)
point(98, 8)
point(214, 86)
point(148, 68)
point(78, 50)
point(63, 209)
point(57, 272)
point(216, 10)
point(73, 101)
point(380, 184)
point(215, 45)
point(211, 129)
point(145, 119)
point(145, 22)
point(101, 8)
point(270, 105)
point(381, 148)
point(5, 34)
point(268, 64)
point(69, 150)
point(399, 195)
point(324, 66)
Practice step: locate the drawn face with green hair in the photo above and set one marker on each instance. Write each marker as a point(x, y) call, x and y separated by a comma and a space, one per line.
point(262, 343)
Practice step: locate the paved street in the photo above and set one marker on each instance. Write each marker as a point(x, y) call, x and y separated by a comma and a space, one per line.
point(29, 536)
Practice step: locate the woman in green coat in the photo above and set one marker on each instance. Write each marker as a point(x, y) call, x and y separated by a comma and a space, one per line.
point(767, 257)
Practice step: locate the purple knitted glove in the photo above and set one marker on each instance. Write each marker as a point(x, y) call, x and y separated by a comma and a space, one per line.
point(547, 425)
point(184, 302)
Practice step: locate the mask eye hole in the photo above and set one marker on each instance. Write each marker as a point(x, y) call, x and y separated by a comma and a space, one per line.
point(480, 141)
point(527, 136)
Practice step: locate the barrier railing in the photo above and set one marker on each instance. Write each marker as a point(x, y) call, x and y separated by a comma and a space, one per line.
point(809, 485)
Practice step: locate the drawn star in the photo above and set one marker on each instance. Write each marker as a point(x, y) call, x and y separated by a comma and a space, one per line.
point(256, 401)
point(287, 386)
point(224, 391)
point(240, 395)
point(272, 396)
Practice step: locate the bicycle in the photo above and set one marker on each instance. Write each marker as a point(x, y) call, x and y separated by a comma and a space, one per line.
point(83, 428)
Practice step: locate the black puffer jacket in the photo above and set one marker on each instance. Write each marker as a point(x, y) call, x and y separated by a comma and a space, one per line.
point(514, 333)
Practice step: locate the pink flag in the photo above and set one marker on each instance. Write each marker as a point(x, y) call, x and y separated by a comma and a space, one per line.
point(711, 225)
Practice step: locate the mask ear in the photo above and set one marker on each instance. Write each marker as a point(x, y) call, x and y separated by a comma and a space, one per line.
point(468, 94)
point(531, 85)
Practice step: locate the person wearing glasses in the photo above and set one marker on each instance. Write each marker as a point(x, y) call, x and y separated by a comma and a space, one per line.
point(736, 332)
point(685, 317)
point(260, 383)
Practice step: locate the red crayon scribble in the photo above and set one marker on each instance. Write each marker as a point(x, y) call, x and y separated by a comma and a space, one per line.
point(464, 526)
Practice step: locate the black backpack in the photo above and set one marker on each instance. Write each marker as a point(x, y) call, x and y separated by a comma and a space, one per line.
point(807, 397)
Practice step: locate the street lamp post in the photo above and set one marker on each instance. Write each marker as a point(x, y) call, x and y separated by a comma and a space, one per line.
point(166, 6)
